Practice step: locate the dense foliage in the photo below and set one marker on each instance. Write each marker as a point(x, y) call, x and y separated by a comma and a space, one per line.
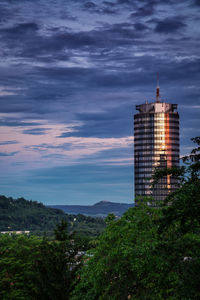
point(21, 214)
point(86, 226)
point(35, 268)
point(150, 253)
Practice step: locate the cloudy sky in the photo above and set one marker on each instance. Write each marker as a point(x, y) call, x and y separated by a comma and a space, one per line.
point(71, 73)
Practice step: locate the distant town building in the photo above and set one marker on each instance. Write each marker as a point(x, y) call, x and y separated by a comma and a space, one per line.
point(156, 145)
point(16, 232)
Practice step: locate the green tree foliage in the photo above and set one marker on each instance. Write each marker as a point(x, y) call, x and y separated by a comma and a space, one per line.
point(35, 268)
point(57, 264)
point(18, 256)
point(86, 227)
point(21, 214)
point(118, 266)
point(150, 253)
point(179, 231)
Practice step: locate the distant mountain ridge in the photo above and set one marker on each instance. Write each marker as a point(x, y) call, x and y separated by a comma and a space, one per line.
point(102, 208)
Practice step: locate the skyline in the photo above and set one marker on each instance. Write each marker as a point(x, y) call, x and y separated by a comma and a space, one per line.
point(70, 77)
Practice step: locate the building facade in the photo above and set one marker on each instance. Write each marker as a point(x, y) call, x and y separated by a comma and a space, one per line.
point(156, 145)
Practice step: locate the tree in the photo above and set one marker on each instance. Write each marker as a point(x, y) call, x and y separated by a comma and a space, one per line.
point(35, 268)
point(150, 253)
point(117, 267)
point(61, 231)
point(57, 264)
point(18, 255)
point(179, 230)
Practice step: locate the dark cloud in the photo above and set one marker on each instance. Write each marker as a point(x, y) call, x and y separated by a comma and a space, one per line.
point(8, 154)
point(144, 11)
point(6, 13)
point(8, 143)
point(65, 15)
point(111, 156)
point(109, 11)
point(20, 29)
point(17, 123)
point(66, 88)
point(127, 3)
point(36, 131)
point(169, 25)
point(53, 46)
point(140, 26)
point(197, 2)
point(89, 4)
point(108, 3)
point(100, 9)
point(113, 123)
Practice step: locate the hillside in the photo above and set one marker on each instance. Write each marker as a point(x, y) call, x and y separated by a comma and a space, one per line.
point(102, 208)
point(21, 214)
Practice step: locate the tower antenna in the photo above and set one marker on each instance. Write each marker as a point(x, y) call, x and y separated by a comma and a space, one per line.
point(158, 90)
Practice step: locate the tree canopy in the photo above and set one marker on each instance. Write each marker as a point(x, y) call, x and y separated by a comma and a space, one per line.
point(150, 253)
point(35, 268)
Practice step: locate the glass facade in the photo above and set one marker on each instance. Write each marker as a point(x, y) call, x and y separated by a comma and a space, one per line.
point(156, 146)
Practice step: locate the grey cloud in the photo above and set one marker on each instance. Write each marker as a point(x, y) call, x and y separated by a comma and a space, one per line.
point(57, 42)
point(36, 131)
point(115, 156)
point(108, 3)
point(197, 2)
point(102, 8)
point(8, 143)
point(42, 148)
point(147, 10)
point(17, 123)
point(20, 29)
point(6, 13)
point(104, 36)
point(169, 25)
point(89, 4)
point(109, 11)
point(112, 123)
point(68, 92)
point(8, 154)
point(54, 156)
point(140, 26)
point(124, 1)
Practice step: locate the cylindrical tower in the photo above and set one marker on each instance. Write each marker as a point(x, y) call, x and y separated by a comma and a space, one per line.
point(156, 145)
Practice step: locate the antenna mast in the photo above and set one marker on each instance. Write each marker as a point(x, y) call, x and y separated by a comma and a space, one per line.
point(158, 90)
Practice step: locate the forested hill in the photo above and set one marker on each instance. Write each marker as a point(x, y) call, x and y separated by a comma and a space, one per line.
point(102, 208)
point(21, 214)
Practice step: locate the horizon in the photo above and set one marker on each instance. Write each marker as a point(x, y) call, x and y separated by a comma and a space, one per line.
point(102, 201)
point(71, 75)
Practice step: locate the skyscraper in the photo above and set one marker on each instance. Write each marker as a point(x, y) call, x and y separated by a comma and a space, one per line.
point(156, 145)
